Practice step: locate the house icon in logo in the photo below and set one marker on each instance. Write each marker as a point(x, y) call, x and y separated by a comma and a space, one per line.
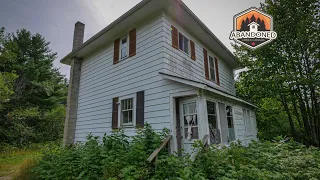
point(253, 26)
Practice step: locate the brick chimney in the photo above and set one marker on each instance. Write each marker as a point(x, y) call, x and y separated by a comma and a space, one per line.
point(78, 35)
point(73, 89)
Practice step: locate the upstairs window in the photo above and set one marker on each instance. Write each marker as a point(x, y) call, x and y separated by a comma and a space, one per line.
point(127, 112)
point(212, 72)
point(183, 43)
point(124, 48)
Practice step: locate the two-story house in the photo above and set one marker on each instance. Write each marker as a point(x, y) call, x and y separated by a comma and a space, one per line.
point(157, 63)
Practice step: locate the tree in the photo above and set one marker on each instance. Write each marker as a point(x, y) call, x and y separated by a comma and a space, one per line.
point(39, 84)
point(287, 69)
point(32, 92)
point(253, 19)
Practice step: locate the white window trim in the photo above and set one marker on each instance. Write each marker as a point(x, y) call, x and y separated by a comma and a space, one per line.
point(179, 32)
point(217, 115)
point(216, 109)
point(214, 67)
point(247, 121)
point(127, 51)
point(134, 108)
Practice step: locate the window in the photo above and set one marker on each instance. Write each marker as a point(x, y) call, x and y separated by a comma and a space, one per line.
point(212, 115)
point(127, 112)
point(124, 48)
point(230, 123)
point(214, 132)
point(190, 121)
point(212, 72)
point(247, 122)
point(183, 43)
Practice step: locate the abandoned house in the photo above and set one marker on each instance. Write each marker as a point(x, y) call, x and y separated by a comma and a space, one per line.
point(157, 64)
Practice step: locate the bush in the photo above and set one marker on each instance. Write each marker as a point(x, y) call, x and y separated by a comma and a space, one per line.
point(32, 125)
point(118, 156)
point(261, 160)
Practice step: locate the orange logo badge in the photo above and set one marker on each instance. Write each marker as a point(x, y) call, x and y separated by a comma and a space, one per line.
point(253, 28)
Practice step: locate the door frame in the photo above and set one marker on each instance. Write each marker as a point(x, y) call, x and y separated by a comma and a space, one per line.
point(173, 118)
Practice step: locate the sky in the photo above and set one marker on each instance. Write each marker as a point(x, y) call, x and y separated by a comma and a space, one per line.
point(55, 19)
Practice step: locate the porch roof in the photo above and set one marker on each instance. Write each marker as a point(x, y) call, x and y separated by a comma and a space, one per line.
point(204, 86)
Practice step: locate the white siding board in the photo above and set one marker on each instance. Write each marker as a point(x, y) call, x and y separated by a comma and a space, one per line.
point(195, 69)
point(92, 62)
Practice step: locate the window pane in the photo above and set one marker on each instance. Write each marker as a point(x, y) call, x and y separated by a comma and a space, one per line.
point(124, 41)
point(212, 74)
point(186, 45)
point(124, 45)
point(190, 108)
point(193, 108)
point(230, 122)
point(125, 116)
point(211, 107)
point(123, 52)
point(229, 110)
point(211, 62)
point(130, 116)
point(195, 120)
point(212, 119)
point(181, 41)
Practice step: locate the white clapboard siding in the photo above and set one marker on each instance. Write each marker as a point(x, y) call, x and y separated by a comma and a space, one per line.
point(240, 125)
point(181, 64)
point(101, 81)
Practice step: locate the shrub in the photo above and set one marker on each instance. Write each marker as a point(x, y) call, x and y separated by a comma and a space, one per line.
point(118, 156)
point(32, 125)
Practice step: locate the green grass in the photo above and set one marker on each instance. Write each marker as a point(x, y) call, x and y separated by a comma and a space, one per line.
point(10, 161)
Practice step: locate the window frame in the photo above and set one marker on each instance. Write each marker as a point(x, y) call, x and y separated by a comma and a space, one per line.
point(120, 122)
point(247, 121)
point(214, 68)
point(183, 34)
point(184, 125)
point(216, 110)
point(233, 121)
point(120, 48)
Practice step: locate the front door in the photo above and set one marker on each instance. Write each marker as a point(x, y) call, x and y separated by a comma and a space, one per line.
point(189, 122)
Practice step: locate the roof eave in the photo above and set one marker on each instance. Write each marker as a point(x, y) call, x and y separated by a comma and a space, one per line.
point(185, 7)
point(67, 58)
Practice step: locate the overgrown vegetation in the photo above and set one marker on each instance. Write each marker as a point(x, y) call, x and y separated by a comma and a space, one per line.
point(118, 156)
point(15, 161)
point(283, 77)
point(32, 92)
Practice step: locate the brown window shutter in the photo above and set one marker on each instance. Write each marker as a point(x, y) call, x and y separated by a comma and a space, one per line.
point(206, 68)
point(193, 51)
point(140, 109)
point(133, 40)
point(217, 70)
point(115, 113)
point(174, 34)
point(116, 51)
